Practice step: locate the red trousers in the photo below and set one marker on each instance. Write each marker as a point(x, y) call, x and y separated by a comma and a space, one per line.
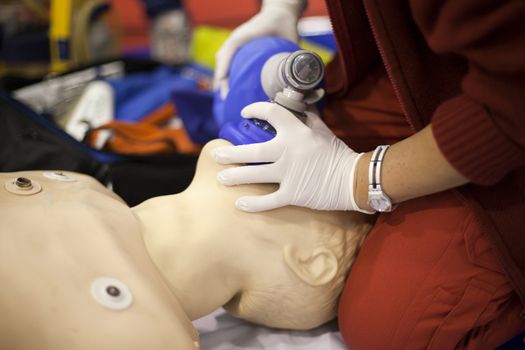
point(426, 276)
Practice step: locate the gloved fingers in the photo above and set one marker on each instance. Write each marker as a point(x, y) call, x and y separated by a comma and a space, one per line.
point(249, 174)
point(289, 31)
point(279, 117)
point(222, 63)
point(294, 36)
point(270, 201)
point(266, 152)
point(222, 86)
point(225, 54)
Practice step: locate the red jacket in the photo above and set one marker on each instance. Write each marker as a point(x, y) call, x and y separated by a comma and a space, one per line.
point(459, 65)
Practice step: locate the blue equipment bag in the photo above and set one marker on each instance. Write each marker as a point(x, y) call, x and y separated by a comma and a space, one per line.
point(30, 141)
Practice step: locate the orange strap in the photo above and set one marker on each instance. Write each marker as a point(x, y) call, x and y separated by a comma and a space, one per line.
point(152, 135)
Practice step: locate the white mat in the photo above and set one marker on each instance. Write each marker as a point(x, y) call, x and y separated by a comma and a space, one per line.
point(220, 331)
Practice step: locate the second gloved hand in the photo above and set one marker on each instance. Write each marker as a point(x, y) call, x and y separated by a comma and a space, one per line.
point(313, 167)
point(277, 17)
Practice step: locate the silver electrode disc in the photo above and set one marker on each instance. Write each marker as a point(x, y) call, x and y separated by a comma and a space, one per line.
point(59, 176)
point(22, 186)
point(111, 293)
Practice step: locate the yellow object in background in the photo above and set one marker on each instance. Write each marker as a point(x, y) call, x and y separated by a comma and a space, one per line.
point(60, 34)
point(69, 30)
point(208, 40)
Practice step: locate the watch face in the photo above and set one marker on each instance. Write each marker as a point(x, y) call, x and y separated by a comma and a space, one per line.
point(379, 203)
point(383, 206)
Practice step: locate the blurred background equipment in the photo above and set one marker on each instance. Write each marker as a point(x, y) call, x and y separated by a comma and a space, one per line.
point(119, 89)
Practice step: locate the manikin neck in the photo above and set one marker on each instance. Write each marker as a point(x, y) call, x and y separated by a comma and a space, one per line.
point(176, 237)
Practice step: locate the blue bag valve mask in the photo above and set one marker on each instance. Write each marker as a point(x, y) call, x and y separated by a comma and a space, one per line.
point(265, 69)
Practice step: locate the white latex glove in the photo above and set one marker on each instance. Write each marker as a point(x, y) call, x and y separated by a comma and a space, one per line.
point(313, 167)
point(277, 18)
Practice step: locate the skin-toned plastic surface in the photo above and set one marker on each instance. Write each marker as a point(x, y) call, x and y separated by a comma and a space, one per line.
point(282, 268)
point(166, 261)
point(53, 246)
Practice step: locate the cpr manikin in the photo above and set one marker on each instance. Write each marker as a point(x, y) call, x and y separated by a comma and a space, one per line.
point(81, 270)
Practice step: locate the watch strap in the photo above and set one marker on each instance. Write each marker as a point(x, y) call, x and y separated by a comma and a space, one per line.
point(377, 199)
point(374, 170)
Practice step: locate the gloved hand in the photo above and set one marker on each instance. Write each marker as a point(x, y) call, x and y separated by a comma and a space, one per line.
point(313, 167)
point(277, 18)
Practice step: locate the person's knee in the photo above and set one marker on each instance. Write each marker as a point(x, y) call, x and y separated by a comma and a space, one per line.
point(364, 323)
point(388, 286)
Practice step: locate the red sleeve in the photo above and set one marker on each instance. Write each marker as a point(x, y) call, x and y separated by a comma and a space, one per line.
point(481, 132)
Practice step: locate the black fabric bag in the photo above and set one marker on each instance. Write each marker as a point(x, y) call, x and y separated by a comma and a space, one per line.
point(28, 141)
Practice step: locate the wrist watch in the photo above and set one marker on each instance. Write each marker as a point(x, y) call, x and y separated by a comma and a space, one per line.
point(377, 199)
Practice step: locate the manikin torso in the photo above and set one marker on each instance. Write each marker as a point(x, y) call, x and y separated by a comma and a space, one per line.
point(54, 246)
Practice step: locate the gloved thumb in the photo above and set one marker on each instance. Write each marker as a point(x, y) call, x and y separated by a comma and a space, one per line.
point(292, 35)
point(255, 204)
